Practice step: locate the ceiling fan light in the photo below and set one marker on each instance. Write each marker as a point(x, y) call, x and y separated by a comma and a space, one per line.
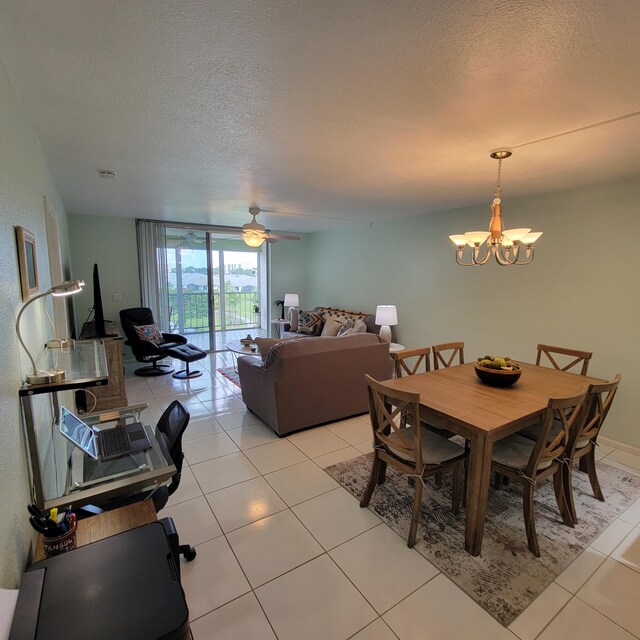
point(252, 239)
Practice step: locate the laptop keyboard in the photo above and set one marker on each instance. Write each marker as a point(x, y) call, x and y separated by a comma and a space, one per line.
point(114, 441)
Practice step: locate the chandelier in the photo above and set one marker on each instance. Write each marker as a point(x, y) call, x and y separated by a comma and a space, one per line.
point(506, 246)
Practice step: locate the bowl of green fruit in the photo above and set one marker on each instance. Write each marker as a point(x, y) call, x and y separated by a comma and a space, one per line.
point(497, 371)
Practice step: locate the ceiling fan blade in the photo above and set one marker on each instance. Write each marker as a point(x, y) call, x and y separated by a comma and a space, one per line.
point(278, 236)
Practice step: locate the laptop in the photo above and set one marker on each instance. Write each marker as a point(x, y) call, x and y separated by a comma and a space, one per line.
point(104, 444)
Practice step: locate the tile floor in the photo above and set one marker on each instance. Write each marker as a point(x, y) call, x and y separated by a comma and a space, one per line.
point(285, 552)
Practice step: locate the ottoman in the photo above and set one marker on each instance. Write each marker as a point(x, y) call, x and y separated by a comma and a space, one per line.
point(187, 353)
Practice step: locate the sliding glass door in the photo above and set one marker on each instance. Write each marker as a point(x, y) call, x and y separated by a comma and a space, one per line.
point(215, 284)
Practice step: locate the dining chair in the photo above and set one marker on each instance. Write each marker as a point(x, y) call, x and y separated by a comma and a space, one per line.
point(402, 367)
point(456, 348)
point(399, 440)
point(583, 440)
point(528, 461)
point(579, 357)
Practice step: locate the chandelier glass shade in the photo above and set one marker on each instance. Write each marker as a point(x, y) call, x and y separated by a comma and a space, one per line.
point(510, 246)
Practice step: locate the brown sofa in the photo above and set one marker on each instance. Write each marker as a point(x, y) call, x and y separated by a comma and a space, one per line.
point(336, 314)
point(307, 382)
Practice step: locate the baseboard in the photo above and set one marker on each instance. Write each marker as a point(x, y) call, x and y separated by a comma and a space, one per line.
point(619, 445)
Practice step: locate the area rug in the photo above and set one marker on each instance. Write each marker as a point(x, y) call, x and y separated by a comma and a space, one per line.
point(505, 578)
point(230, 374)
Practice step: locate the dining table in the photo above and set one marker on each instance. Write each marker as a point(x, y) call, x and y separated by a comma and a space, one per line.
point(456, 400)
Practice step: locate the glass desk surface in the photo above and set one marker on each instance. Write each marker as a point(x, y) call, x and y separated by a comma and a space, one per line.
point(82, 480)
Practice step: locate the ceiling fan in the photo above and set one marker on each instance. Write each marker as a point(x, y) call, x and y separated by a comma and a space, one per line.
point(254, 233)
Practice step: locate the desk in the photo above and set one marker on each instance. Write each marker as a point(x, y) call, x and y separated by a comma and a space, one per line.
point(454, 399)
point(81, 480)
point(107, 524)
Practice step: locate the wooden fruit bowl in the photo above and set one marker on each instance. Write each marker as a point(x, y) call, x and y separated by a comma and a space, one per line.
point(498, 377)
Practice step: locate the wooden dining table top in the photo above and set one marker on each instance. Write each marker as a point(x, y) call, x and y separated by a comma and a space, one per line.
point(457, 393)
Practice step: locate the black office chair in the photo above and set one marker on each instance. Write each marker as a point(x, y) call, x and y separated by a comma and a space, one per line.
point(170, 428)
point(144, 350)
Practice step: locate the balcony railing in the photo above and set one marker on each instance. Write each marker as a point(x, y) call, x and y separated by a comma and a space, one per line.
point(189, 311)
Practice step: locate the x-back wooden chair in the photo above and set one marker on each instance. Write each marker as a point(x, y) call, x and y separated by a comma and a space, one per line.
point(579, 357)
point(399, 440)
point(439, 360)
point(528, 461)
point(583, 441)
point(403, 367)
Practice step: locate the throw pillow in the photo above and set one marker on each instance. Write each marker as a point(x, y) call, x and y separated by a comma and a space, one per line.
point(347, 324)
point(348, 332)
point(264, 345)
point(293, 320)
point(309, 322)
point(360, 326)
point(331, 327)
point(149, 333)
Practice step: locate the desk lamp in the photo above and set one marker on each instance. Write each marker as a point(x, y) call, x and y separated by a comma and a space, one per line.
point(292, 301)
point(386, 317)
point(44, 377)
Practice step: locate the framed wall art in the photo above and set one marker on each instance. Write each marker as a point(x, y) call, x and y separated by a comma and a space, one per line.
point(27, 263)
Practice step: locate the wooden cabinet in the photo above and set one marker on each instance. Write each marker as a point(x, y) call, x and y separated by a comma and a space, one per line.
point(113, 394)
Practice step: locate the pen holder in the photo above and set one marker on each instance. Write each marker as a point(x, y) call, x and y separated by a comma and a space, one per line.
point(65, 542)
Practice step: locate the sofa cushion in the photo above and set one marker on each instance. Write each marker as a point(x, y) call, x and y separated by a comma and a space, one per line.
point(309, 322)
point(293, 320)
point(331, 327)
point(360, 326)
point(346, 326)
point(264, 345)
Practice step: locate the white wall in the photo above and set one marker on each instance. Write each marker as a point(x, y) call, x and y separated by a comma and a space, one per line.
point(24, 180)
point(581, 291)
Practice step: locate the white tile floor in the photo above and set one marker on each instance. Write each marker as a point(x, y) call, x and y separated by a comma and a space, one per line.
point(285, 552)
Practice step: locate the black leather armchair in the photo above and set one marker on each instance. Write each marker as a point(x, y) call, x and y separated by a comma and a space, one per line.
point(143, 350)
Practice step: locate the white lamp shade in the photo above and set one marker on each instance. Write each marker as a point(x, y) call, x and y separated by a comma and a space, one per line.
point(515, 235)
point(386, 314)
point(291, 300)
point(531, 237)
point(459, 240)
point(474, 238)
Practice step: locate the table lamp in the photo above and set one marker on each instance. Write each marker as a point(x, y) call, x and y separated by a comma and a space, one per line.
point(292, 301)
point(386, 317)
point(37, 376)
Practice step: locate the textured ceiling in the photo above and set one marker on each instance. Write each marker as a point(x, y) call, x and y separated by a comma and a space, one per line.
point(358, 109)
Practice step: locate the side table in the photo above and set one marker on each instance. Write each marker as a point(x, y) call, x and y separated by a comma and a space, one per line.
point(280, 324)
point(394, 347)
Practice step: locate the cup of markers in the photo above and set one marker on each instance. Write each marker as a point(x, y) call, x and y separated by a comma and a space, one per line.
point(58, 529)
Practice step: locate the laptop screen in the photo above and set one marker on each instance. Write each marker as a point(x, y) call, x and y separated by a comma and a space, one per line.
point(72, 428)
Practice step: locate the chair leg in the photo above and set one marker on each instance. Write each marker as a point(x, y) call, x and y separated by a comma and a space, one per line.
point(590, 464)
point(415, 516)
point(529, 518)
point(567, 484)
point(563, 507)
point(438, 479)
point(497, 481)
point(372, 481)
point(382, 471)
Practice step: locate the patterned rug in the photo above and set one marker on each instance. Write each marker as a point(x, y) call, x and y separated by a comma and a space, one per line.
point(230, 374)
point(505, 578)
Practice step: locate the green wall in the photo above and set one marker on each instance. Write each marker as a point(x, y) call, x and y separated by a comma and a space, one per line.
point(288, 268)
point(580, 291)
point(24, 180)
point(111, 244)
